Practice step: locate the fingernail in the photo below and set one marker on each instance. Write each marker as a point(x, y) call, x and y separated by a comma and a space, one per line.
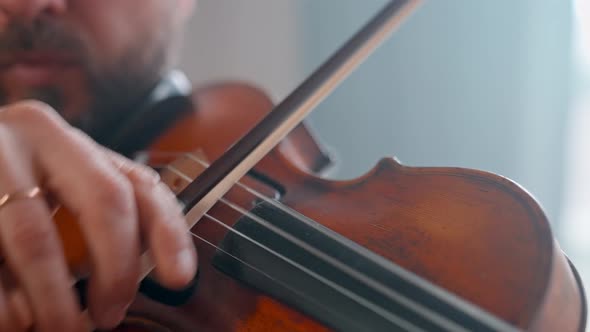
point(185, 261)
point(23, 313)
point(147, 173)
point(116, 314)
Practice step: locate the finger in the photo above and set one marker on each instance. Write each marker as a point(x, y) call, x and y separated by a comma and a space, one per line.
point(85, 181)
point(18, 307)
point(108, 219)
point(7, 321)
point(163, 225)
point(31, 246)
point(33, 250)
point(20, 312)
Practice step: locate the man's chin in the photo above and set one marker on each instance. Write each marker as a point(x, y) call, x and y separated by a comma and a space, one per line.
point(32, 76)
point(66, 91)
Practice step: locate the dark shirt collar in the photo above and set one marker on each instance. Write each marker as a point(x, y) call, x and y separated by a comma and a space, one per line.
point(166, 102)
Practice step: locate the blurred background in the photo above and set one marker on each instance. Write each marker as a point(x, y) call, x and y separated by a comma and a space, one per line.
point(502, 86)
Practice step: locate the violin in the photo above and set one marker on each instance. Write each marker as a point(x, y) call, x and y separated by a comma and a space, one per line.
point(283, 249)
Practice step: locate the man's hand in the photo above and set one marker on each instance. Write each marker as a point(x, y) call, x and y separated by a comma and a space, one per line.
point(119, 205)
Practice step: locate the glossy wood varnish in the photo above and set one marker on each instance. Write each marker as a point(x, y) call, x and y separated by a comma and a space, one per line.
point(478, 235)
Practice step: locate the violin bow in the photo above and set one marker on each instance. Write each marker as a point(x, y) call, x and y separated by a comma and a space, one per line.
point(202, 193)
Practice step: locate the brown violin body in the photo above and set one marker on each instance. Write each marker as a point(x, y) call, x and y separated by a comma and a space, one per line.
point(474, 234)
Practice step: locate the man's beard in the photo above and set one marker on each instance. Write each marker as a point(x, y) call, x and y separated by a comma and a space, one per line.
point(113, 89)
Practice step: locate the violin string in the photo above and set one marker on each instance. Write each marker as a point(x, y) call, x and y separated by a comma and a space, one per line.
point(443, 295)
point(382, 263)
point(367, 304)
point(372, 283)
point(392, 294)
point(202, 239)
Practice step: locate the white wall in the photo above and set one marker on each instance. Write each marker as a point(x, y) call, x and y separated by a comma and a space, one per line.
point(480, 84)
point(252, 40)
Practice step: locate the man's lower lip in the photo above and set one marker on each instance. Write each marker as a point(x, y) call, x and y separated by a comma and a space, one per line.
point(32, 75)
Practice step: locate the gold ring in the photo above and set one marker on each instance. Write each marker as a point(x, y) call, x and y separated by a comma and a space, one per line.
point(18, 195)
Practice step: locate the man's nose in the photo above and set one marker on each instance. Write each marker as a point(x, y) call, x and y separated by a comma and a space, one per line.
point(29, 10)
